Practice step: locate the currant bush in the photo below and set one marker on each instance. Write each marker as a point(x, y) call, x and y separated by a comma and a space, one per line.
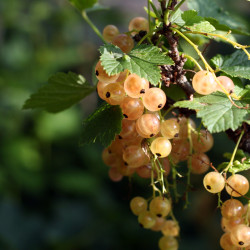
point(150, 131)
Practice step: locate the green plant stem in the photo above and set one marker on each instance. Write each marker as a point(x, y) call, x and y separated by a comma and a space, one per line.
point(235, 44)
point(164, 190)
point(155, 9)
point(189, 161)
point(90, 23)
point(149, 17)
point(193, 60)
point(219, 200)
point(177, 7)
point(230, 164)
point(167, 111)
point(166, 14)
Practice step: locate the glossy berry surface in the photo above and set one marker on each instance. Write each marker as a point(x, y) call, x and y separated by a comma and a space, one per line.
point(114, 93)
point(214, 182)
point(170, 128)
point(204, 83)
point(160, 206)
point(137, 24)
point(132, 108)
point(109, 32)
point(161, 147)
point(154, 99)
point(148, 125)
point(124, 42)
point(135, 86)
point(147, 219)
point(226, 82)
point(138, 205)
point(237, 185)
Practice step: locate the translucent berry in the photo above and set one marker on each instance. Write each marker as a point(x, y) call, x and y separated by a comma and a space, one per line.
point(137, 24)
point(115, 175)
point(226, 82)
point(160, 206)
point(135, 86)
point(240, 236)
point(114, 93)
point(144, 171)
point(109, 32)
point(200, 163)
point(128, 129)
point(126, 170)
point(147, 219)
point(204, 83)
point(170, 228)
point(159, 222)
point(170, 128)
point(232, 208)
point(138, 205)
point(122, 77)
point(124, 42)
point(183, 122)
point(134, 156)
point(100, 86)
point(102, 75)
point(116, 146)
point(148, 125)
point(154, 99)
point(203, 141)
point(228, 224)
point(226, 243)
point(168, 243)
point(132, 108)
point(180, 149)
point(239, 183)
point(214, 182)
point(161, 147)
point(109, 158)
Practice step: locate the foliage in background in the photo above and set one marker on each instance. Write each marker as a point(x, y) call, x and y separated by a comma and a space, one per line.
point(57, 193)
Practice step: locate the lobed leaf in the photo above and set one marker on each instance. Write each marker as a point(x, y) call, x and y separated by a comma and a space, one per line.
point(217, 112)
point(236, 64)
point(195, 22)
point(62, 91)
point(212, 9)
point(103, 125)
point(143, 60)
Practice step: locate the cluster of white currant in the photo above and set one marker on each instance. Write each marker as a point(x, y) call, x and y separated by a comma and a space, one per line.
point(143, 121)
point(235, 218)
point(154, 218)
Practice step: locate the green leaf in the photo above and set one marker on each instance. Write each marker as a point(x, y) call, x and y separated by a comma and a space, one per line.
point(112, 58)
point(236, 64)
point(212, 8)
point(218, 26)
point(143, 60)
point(83, 4)
point(190, 17)
point(217, 112)
point(239, 166)
point(102, 125)
point(176, 18)
point(62, 91)
point(195, 22)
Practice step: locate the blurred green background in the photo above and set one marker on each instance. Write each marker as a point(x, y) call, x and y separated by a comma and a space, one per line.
point(53, 193)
